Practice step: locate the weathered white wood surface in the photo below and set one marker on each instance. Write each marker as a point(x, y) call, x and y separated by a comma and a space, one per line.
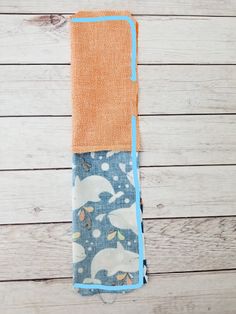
point(183, 7)
point(45, 196)
point(172, 245)
point(43, 251)
point(45, 39)
point(44, 142)
point(193, 293)
point(188, 191)
point(46, 89)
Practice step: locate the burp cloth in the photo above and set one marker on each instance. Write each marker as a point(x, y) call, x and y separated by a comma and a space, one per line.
point(108, 248)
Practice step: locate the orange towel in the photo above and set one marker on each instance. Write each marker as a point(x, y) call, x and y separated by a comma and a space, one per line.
point(104, 96)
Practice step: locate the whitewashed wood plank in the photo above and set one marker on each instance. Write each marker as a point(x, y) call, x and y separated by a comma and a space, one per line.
point(193, 293)
point(45, 39)
point(171, 245)
point(187, 40)
point(45, 196)
point(186, 140)
point(34, 39)
point(191, 244)
point(188, 191)
point(44, 142)
point(187, 89)
point(32, 135)
point(35, 196)
point(184, 7)
point(35, 90)
point(45, 90)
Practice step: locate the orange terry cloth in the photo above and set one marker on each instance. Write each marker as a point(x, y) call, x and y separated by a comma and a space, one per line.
point(104, 96)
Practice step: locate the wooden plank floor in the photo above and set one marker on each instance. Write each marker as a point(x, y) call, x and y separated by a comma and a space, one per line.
point(187, 107)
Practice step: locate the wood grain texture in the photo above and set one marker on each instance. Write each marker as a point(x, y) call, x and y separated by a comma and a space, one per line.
point(184, 7)
point(182, 89)
point(44, 250)
point(195, 76)
point(188, 191)
point(35, 90)
point(45, 196)
point(207, 40)
point(35, 196)
point(43, 142)
point(193, 293)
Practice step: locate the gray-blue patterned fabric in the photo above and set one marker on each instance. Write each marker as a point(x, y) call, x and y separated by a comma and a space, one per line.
point(105, 230)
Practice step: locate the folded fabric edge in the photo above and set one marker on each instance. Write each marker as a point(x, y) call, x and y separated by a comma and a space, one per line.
point(90, 149)
point(100, 13)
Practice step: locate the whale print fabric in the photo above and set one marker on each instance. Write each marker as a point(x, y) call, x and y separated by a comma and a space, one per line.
point(106, 240)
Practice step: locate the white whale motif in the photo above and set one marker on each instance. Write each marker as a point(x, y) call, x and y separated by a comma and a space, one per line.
point(115, 196)
point(122, 167)
point(89, 189)
point(130, 177)
point(124, 218)
point(130, 174)
point(92, 154)
point(111, 153)
point(113, 260)
point(78, 252)
point(100, 217)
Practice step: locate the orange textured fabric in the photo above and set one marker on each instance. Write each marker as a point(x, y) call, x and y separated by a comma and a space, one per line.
point(104, 96)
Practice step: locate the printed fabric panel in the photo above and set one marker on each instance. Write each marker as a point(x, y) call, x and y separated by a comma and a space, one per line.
point(108, 249)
